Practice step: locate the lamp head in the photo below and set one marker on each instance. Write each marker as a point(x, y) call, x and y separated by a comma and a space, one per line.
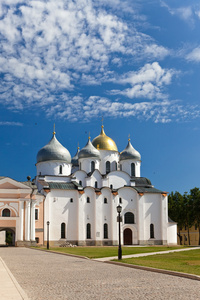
point(119, 209)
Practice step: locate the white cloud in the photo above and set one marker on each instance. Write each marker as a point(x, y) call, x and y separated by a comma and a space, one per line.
point(162, 111)
point(8, 123)
point(194, 55)
point(50, 48)
point(147, 83)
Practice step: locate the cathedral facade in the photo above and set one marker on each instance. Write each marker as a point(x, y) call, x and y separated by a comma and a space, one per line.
point(81, 195)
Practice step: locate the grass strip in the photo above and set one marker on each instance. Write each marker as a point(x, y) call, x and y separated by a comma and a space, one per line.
point(185, 262)
point(98, 252)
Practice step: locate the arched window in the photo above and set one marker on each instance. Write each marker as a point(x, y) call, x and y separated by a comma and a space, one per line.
point(120, 200)
point(92, 166)
point(6, 212)
point(88, 199)
point(60, 169)
point(132, 169)
point(105, 231)
point(151, 231)
point(71, 200)
point(120, 167)
point(129, 218)
point(80, 166)
point(63, 231)
point(105, 200)
point(88, 231)
point(96, 184)
point(107, 167)
point(115, 166)
point(80, 182)
point(111, 186)
point(36, 214)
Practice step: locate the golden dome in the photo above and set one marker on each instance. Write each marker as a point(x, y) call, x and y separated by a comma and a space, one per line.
point(103, 142)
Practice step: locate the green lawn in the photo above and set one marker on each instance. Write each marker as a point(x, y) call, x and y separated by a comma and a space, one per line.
point(186, 261)
point(97, 252)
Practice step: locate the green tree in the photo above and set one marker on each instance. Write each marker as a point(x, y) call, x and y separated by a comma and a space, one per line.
point(188, 213)
point(195, 196)
point(175, 209)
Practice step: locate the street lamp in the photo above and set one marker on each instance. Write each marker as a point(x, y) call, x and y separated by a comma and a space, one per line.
point(119, 210)
point(48, 234)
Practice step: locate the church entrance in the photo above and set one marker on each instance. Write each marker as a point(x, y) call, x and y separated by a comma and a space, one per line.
point(128, 237)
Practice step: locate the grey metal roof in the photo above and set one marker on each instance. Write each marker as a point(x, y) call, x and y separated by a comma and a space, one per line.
point(75, 158)
point(63, 186)
point(130, 153)
point(141, 181)
point(151, 190)
point(54, 151)
point(89, 151)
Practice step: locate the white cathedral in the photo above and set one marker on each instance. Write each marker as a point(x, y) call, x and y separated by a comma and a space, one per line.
point(81, 196)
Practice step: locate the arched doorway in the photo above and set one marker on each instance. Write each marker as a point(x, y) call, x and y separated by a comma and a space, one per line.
point(128, 236)
point(9, 236)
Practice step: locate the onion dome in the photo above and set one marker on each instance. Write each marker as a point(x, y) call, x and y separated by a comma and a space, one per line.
point(130, 153)
point(103, 142)
point(54, 151)
point(75, 158)
point(89, 151)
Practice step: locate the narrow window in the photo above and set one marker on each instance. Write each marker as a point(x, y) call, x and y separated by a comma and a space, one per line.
point(120, 200)
point(80, 182)
point(151, 231)
point(111, 186)
point(92, 166)
point(107, 167)
point(132, 169)
point(63, 231)
point(105, 200)
point(96, 184)
point(120, 167)
point(36, 214)
point(60, 170)
point(129, 218)
point(88, 199)
point(80, 166)
point(115, 166)
point(6, 212)
point(71, 200)
point(105, 231)
point(88, 229)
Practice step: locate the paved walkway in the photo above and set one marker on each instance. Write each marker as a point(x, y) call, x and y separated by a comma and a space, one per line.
point(145, 254)
point(9, 287)
point(50, 276)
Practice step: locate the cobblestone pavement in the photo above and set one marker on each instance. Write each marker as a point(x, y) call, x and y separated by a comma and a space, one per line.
point(51, 276)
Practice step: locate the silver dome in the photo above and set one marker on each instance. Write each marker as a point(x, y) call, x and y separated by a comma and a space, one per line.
point(54, 151)
point(89, 151)
point(75, 158)
point(130, 153)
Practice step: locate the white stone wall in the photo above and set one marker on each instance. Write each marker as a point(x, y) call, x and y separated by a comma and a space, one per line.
point(126, 166)
point(53, 168)
point(118, 179)
point(111, 156)
point(86, 164)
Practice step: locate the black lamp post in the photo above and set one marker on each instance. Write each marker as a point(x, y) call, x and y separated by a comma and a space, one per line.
point(48, 234)
point(119, 210)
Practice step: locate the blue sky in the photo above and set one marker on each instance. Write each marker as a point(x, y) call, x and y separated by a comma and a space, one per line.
point(136, 63)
